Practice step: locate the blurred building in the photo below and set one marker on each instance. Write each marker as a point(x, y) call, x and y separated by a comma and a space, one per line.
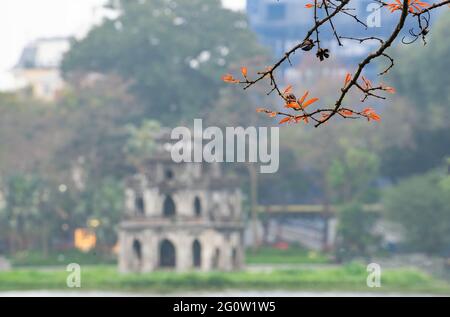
point(5, 265)
point(37, 71)
point(184, 216)
point(280, 25)
point(315, 226)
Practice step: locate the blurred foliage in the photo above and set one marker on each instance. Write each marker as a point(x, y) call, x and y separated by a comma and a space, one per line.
point(70, 171)
point(20, 215)
point(352, 176)
point(421, 77)
point(421, 204)
point(334, 164)
point(422, 74)
point(355, 235)
point(104, 203)
point(172, 53)
point(126, 73)
point(141, 143)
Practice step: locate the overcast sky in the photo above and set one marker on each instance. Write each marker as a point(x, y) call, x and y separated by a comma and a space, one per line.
point(22, 21)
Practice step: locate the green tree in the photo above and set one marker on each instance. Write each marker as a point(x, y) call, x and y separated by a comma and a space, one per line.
point(352, 176)
point(423, 74)
point(172, 53)
point(422, 78)
point(141, 141)
point(101, 206)
point(335, 164)
point(24, 220)
point(355, 235)
point(421, 204)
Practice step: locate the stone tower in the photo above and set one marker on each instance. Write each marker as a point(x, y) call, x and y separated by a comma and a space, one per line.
point(184, 216)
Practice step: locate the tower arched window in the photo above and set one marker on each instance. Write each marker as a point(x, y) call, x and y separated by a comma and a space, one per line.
point(197, 207)
point(169, 208)
point(168, 174)
point(139, 205)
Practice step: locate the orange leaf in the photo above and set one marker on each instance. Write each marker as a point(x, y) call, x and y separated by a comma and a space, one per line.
point(369, 113)
point(228, 78)
point(244, 71)
point(348, 78)
point(288, 90)
point(261, 110)
point(375, 117)
point(272, 114)
point(302, 118)
point(309, 6)
point(310, 102)
point(293, 105)
point(302, 99)
point(367, 82)
point(325, 117)
point(346, 112)
point(285, 120)
point(390, 90)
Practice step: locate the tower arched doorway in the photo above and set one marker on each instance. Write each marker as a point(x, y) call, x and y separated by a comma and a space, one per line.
point(167, 255)
point(235, 258)
point(197, 254)
point(216, 259)
point(169, 209)
point(137, 252)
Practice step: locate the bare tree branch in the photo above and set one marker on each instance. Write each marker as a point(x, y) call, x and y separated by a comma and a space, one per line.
point(414, 8)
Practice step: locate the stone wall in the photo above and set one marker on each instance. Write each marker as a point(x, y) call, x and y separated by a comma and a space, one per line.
point(217, 204)
point(219, 250)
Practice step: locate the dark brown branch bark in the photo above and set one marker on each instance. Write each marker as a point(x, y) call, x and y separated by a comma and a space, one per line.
point(368, 59)
point(407, 8)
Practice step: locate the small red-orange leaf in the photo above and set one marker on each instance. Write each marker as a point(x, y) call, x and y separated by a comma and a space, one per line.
point(367, 111)
point(293, 105)
point(285, 120)
point(375, 117)
point(228, 78)
point(244, 71)
point(346, 112)
point(302, 99)
point(302, 118)
point(370, 114)
point(310, 102)
point(325, 117)
point(348, 78)
point(288, 90)
point(367, 82)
